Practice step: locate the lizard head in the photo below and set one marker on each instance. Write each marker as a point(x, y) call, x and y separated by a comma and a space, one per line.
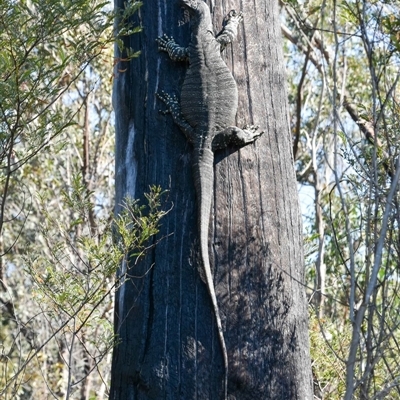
point(196, 7)
point(200, 18)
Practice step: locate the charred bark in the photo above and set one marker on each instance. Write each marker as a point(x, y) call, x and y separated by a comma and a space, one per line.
point(169, 347)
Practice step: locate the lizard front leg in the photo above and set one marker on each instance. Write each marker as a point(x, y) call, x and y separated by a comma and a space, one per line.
point(229, 31)
point(175, 52)
point(235, 136)
point(174, 109)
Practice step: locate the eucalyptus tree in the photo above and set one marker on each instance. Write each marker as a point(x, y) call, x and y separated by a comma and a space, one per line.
point(169, 346)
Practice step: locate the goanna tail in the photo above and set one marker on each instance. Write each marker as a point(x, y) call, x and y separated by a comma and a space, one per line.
point(204, 183)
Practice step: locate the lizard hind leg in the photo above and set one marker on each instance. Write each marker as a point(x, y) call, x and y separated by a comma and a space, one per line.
point(174, 108)
point(235, 136)
point(171, 102)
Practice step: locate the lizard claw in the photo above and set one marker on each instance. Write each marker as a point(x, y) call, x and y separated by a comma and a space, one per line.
point(251, 127)
point(233, 15)
point(164, 41)
point(167, 43)
point(171, 102)
point(251, 133)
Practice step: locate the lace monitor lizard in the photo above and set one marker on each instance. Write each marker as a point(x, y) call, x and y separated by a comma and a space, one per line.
point(206, 115)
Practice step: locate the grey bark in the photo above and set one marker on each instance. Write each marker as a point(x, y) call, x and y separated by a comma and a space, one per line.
point(169, 346)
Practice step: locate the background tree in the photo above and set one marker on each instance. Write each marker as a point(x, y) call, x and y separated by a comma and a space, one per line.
point(344, 66)
point(168, 338)
point(57, 260)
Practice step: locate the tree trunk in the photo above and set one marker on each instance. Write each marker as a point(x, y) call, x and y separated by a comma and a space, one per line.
point(169, 347)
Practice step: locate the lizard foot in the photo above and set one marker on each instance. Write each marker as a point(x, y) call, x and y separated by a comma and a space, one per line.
point(248, 134)
point(168, 44)
point(230, 30)
point(164, 41)
point(235, 17)
point(236, 136)
point(173, 107)
point(171, 102)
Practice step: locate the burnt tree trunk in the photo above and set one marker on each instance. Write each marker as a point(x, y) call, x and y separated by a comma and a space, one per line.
point(169, 346)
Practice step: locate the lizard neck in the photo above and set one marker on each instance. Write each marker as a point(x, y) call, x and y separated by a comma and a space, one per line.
point(201, 26)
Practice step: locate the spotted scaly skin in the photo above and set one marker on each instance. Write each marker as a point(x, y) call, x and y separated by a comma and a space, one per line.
point(206, 115)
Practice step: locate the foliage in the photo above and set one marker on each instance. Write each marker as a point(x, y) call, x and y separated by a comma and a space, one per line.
point(57, 261)
point(328, 348)
point(343, 67)
point(72, 282)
